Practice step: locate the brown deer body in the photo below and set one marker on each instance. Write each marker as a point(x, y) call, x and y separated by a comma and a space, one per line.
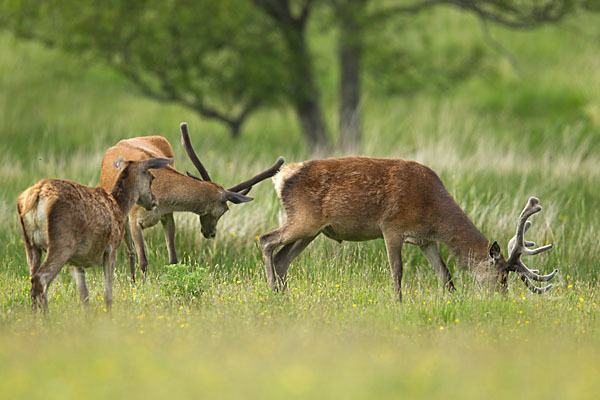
point(360, 198)
point(175, 192)
point(80, 225)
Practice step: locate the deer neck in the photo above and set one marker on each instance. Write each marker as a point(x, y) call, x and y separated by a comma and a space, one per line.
point(464, 240)
point(123, 191)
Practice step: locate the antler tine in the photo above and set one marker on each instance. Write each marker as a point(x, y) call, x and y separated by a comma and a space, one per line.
point(532, 252)
point(187, 145)
point(526, 242)
point(533, 288)
point(517, 245)
point(524, 271)
point(260, 177)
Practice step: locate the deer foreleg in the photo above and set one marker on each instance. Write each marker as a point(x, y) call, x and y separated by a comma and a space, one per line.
point(138, 240)
point(432, 253)
point(168, 224)
point(109, 261)
point(78, 274)
point(130, 249)
point(393, 244)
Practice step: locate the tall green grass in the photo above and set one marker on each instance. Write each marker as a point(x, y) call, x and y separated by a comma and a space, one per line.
point(210, 327)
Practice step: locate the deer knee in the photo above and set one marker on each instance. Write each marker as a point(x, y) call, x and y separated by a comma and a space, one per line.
point(267, 243)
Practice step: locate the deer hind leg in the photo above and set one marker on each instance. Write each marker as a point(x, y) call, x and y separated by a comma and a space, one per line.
point(432, 254)
point(34, 253)
point(34, 257)
point(393, 245)
point(286, 234)
point(78, 274)
point(168, 224)
point(130, 249)
point(41, 279)
point(286, 255)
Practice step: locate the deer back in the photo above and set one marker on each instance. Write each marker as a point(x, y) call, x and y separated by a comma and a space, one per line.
point(135, 149)
point(360, 187)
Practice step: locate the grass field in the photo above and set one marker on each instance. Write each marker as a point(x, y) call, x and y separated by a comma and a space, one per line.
point(211, 328)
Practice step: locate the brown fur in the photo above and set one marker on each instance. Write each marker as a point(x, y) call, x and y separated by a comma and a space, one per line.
point(76, 212)
point(360, 198)
point(174, 191)
point(79, 225)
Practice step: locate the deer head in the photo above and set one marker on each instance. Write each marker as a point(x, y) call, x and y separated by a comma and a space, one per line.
point(221, 196)
point(517, 247)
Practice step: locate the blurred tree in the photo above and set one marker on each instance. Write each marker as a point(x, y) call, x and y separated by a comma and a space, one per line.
point(225, 58)
point(219, 63)
point(354, 20)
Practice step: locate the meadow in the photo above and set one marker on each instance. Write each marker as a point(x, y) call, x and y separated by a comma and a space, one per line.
point(210, 327)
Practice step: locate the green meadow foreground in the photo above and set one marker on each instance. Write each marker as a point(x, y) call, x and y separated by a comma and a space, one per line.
point(210, 327)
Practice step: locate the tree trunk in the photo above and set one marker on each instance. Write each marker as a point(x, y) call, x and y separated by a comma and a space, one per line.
point(350, 52)
point(313, 127)
point(305, 94)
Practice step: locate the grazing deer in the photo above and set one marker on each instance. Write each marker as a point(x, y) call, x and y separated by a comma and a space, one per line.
point(175, 192)
point(80, 225)
point(360, 198)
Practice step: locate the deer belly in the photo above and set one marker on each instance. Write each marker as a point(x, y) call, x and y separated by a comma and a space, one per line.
point(416, 239)
point(88, 254)
point(351, 232)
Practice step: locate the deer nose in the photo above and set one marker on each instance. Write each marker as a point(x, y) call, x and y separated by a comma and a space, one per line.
point(154, 203)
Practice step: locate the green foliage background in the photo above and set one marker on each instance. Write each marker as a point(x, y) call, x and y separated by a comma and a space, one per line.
point(495, 137)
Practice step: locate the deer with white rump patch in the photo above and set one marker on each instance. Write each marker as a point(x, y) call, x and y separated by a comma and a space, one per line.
point(81, 226)
point(175, 192)
point(360, 198)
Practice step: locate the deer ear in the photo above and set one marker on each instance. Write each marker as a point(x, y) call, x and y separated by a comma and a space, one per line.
point(235, 198)
point(495, 251)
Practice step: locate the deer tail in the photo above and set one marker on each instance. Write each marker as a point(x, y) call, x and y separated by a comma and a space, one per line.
point(28, 200)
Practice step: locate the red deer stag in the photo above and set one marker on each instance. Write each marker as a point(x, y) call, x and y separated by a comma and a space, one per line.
point(80, 225)
point(360, 198)
point(175, 192)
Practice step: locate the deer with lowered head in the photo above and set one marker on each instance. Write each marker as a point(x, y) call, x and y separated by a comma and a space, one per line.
point(81, 226)
point(360, 198)
point(175, 192)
